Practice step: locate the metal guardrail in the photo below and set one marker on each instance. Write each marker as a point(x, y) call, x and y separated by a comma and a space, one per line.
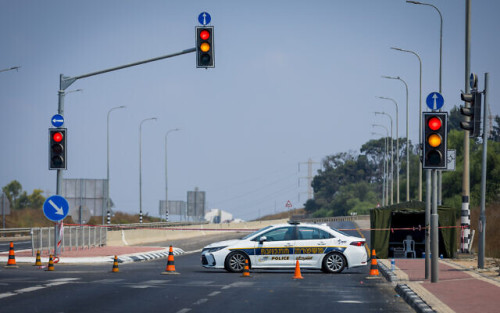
point(351, 218)
point(12, 232)
point(74, 238)
point(152, 225)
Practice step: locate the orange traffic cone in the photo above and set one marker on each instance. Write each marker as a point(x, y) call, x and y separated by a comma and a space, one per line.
point(38, 260)
point(51, 264)
point(11, 263)
point(115, 265)
point(170, 263)
point(297, 274)
point(374, 265)
point(246, 269)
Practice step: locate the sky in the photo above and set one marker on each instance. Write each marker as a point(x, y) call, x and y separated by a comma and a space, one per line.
point(293, 81)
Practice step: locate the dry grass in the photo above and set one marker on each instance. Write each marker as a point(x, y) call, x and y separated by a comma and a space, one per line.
point(35, 218)
point(492, 248)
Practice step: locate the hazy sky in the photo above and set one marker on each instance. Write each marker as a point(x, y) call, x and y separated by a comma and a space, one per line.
point(293, 80)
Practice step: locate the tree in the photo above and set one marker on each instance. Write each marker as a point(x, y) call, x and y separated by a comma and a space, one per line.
point(12, 191)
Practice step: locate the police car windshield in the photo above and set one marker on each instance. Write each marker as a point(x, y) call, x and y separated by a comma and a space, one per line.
point(256, 232)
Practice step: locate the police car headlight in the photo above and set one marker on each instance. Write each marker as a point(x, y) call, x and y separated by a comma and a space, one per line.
point(215, 249)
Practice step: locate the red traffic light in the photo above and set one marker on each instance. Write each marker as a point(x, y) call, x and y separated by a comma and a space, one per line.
point(57, 137)
point(204, 34)
point(435, 123)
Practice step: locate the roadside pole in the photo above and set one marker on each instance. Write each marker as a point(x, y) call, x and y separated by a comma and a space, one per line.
point(482, 216)
point(434, 230)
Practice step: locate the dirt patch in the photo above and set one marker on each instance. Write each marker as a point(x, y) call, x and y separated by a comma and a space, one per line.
point(491, 266)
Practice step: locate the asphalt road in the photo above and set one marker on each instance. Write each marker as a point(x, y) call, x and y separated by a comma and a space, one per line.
point(18, 245)
point(140, 287)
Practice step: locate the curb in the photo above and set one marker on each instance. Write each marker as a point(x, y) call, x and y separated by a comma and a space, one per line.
point(140, 257)
point(412, 298)
point(125, 258)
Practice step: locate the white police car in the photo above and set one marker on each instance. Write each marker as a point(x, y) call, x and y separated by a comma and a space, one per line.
point(280, 246)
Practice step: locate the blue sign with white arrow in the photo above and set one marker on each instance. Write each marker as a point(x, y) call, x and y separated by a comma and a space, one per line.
point(435, 101)
point(204, 18)
point(57, 120)
point(56, 208)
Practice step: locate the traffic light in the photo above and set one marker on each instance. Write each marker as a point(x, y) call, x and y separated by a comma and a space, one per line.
point(205, 56)
point(57, 148)
point(473, 112)
point(435, 140)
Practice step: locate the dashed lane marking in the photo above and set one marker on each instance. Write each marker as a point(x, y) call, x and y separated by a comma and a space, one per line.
point(214, 293)
point(51, 283)
point(185, 310)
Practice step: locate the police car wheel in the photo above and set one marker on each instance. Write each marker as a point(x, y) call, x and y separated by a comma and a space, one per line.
point(235, 262)
point(334, 263)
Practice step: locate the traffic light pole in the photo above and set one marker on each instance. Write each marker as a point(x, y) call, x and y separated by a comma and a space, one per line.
point(434, 230)
point(428, 195)
point(482, 216)
point(65, 82)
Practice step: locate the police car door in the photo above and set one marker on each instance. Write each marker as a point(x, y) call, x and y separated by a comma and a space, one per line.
point(310, 246)
point(275, 248)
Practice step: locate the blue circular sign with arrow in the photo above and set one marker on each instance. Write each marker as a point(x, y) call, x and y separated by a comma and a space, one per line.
point(435, 101)
point(57, 120)
point(56, 208)
point(204, 18)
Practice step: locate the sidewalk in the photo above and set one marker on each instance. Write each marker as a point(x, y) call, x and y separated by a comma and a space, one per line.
point(459, 289)
point(96, 255)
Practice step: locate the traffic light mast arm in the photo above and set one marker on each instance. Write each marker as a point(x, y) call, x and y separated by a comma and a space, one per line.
point(67, 81)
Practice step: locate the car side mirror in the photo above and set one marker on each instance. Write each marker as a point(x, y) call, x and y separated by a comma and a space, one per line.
point(262, 239)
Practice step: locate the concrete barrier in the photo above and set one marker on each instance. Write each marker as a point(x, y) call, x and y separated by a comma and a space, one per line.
point(125, 237)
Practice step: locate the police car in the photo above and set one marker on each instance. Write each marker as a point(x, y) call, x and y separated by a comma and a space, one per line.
point(281, 246)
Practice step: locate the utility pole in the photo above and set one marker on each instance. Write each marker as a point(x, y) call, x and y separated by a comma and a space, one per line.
point(465, 216)
point(482, 215)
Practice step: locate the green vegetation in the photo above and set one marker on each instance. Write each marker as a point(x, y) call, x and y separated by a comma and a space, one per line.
point(351, 182)
point(27, 210)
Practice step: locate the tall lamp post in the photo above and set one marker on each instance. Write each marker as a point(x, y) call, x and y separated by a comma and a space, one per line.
point(439, 173)
point(392, 157)
point(384, 176)
point(407, 139)
point(10, 69)
point(106, 205)
point(166, 177)
point(140, 165)
point(419, 120)
point(397, 146)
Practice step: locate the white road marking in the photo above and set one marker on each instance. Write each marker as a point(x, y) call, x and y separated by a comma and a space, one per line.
point(52, 283)
point(184, 310)
point(201, 301)
point(7, 294)
point(214, 293)
point(29, 289)
point(350, 301)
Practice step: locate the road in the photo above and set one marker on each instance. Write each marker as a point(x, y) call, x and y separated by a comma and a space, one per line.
point(19, 245)
point(140, 287)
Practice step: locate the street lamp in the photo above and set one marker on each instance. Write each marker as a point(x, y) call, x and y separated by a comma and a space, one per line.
point(392, 157)
point(386, 149)
point(440, 37)
point(384, 176)
point(407, 139)
point(166, 179)
point(397, 146)
point(140, 165)
point(106, 205)
point(419, 120)
point(10, 69)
